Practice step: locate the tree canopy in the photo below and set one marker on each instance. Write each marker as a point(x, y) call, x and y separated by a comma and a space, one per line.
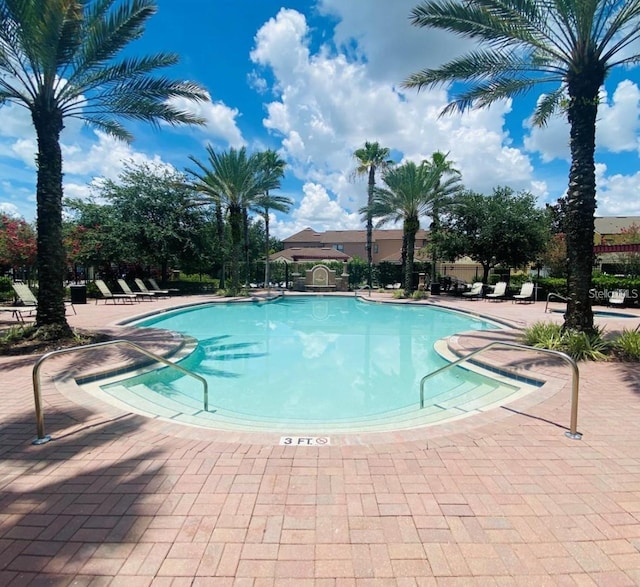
point(505, 228)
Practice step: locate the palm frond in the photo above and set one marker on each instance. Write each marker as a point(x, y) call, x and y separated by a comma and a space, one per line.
point(548, 106)
point(107, 32)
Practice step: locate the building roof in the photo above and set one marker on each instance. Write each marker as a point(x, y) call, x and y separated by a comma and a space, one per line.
point(309, 235)
point(614, 224)
point(309, 254)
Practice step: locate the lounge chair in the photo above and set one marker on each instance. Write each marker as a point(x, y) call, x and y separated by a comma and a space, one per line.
point(156, 292)
point(154, 287)
point(617, 297)
point(139, 294)
point(526, 293)
point(499, 292)
point(115, 298)
point(475, 293)
point(27, 298)
point(16, 312)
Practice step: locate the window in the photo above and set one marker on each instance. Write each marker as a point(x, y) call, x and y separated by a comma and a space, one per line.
point(375, 248)
point(338, 247)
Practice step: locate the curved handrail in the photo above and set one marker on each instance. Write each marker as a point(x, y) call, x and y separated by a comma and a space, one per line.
point(360, 288)
point(42, 437)
point(572, 432)
point(555, 295)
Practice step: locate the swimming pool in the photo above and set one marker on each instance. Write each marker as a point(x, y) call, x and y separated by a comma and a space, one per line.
point(309, 360)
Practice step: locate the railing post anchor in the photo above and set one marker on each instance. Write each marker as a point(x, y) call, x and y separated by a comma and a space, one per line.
point(573, 435)
point(38, 441)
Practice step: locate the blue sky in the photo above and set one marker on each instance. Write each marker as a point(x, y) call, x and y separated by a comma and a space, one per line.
point(315, 80)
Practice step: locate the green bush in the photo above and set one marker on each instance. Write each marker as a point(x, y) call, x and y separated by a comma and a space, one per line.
point(419, 294)
point(545, 335)
point(580, 346)
point(627, 345)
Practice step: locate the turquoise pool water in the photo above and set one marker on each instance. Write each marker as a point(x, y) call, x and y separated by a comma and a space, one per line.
point(309, 358)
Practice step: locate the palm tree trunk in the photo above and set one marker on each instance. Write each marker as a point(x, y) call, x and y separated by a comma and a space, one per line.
point(235, 220)
point(369, 245)
point(266, 247)
point(51, 267)
point(411, 226)
point(581, 205)
point(220, 233)
point(245, 227)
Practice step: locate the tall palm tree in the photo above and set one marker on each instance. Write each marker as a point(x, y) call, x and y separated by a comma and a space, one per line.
point(571, 44)
point(235, 180)
point(409, 195)
point(449, 183)
point(57, 61)
point(371, 157)
point(272, 164)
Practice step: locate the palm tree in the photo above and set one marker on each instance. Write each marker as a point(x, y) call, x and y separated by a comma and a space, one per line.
point(235, 180)
point(572, 44)
point(57, 61)
point(409, 194)
point(371, 158)
point(448, 184)
point(272, 164)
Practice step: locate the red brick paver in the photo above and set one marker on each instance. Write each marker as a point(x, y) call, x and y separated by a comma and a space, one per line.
point(503, 498)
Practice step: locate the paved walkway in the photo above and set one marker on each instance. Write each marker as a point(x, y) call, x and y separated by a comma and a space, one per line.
point(500, 499)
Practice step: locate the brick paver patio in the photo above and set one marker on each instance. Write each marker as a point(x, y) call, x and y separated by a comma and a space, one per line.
point(504, 498)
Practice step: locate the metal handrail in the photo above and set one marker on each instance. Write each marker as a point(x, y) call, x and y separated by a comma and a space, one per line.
point(42, 437)
point(555, 295)
point(572, 432)
point(360, 288)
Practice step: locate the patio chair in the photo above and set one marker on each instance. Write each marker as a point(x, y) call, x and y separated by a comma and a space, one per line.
point(155, 287)
point(16, 312)
point(144, 289)
point(115, 298)
point(475, 293)
point(139, 294)
point(499, 292)
point(526, 293)
point(27, 298)
point(617, 297)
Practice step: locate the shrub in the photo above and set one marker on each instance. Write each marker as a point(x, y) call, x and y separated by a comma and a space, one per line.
point(542, 334)
point(627, 346)
point(581, 346)
point(578, 345)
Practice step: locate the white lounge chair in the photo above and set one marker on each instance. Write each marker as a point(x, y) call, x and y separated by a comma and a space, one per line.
point(499, 292)
point(617, 297)
point(155, 287)
point(28, 298)
point(139, 294)
point(475, 293)
point(144, 289)
point(526, 293)
point(115, 298)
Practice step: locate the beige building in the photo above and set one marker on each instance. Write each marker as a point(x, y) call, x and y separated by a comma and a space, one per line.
point(386, 244)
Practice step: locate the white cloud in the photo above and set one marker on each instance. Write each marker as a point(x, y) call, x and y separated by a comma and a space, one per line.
point(385, 39)
point(220, 120)
point(10, 209)
point(618, 195)
point(619, 119)
point(327, 106)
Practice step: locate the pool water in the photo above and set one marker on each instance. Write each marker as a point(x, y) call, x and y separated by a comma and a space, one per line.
point(309, 358)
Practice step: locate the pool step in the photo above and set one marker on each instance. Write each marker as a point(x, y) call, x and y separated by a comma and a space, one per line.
point(464, 399)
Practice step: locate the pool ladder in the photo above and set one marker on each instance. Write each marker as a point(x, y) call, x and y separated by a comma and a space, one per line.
point(44, 438)
point(573, 428)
